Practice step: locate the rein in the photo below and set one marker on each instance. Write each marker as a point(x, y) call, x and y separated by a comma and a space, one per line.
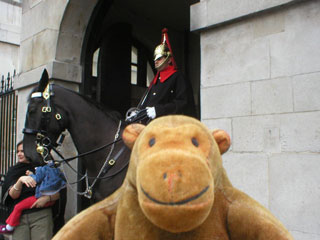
point(108, 163)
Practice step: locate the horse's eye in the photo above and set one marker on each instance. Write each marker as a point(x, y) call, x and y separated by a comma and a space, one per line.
point(195, 142)
point(152, 141)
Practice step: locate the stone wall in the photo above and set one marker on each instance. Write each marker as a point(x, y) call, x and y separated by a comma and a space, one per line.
point(260, 81)
point(10, 25)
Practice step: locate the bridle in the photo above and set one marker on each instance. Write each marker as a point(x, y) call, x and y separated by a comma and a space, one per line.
point(43, 141)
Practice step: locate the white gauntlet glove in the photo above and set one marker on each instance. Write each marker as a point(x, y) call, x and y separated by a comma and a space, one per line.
point(151, 112)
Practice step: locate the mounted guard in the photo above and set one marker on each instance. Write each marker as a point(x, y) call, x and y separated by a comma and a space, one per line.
point(169, 92)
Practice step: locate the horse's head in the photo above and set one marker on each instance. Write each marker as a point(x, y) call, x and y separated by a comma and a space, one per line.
point(44, 123)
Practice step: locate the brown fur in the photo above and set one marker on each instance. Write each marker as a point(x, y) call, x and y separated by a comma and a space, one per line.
point(176, 188)
point(96, 222)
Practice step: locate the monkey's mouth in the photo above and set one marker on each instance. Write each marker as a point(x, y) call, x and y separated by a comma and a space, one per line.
point(181, 202)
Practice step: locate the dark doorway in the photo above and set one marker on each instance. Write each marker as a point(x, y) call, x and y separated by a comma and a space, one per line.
point(114, 63)
point(118, 48)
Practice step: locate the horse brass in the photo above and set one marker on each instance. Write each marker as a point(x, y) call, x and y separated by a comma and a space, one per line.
point(58, 116)
point(46, 109)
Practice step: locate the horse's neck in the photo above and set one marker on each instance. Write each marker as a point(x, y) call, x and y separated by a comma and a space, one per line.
point(90, 127)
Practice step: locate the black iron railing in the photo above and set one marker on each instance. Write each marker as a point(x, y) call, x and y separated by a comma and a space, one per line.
point(7, 83)
point(8, 120)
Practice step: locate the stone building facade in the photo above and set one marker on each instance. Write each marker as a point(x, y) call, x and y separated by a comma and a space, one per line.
point(260, 80)
point(255, 70)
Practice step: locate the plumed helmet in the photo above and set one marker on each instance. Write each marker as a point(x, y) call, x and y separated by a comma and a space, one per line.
point(164, 49)
point(161, 50)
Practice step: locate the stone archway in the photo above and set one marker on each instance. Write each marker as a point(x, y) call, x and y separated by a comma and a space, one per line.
point(70, 40)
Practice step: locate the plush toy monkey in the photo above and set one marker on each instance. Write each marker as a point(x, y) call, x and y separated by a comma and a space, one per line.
point(176, 188)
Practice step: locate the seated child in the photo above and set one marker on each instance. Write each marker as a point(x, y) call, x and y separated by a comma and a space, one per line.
point(50, 180)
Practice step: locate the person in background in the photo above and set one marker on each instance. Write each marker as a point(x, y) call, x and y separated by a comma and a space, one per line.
point(169, 92)
point(50, 180)
point(35, 223)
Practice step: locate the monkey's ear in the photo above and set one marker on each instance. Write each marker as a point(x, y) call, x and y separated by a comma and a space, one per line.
point(223, 140)
point(131, 133)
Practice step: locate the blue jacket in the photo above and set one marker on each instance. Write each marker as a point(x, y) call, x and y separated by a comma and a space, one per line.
point(50, 180)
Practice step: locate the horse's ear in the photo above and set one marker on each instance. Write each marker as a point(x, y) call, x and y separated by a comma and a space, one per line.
point(131, 133)
point(223, 140)
point(43, 81)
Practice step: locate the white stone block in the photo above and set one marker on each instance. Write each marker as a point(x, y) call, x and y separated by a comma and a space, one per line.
point(226, 101)
point(235, 61)
point(300, 132)
point(9, 55)
point(44, 47)
point(66, 71)
point(31, 23)
point(294, 191)
point(54, 17)
point(296, 132)
point(297, 51)
point(10, 14)
point(229, 11)
point(239, 32)
point(223, 123)
point(69, 73)
point(38, 17)
point(198, 14)
point(69, 48)
point(256, 134)
point(272, 96)
point(30, 77)
point(9, 37)
point(21, 111)
point(249, 173)
point(34, 3)
point(304, 236)
point(306, 91)
point(26, 49)
point(268, 24)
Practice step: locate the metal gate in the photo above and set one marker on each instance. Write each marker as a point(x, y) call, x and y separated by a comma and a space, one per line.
point(8, 120)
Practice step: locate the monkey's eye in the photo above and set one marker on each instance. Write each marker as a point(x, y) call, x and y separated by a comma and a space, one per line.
point(195, 142)
point(152, 141)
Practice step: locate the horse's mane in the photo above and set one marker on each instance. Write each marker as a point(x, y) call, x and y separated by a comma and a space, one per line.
point(114, 115)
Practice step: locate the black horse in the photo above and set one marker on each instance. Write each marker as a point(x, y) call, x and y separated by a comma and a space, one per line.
point(51, 110)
